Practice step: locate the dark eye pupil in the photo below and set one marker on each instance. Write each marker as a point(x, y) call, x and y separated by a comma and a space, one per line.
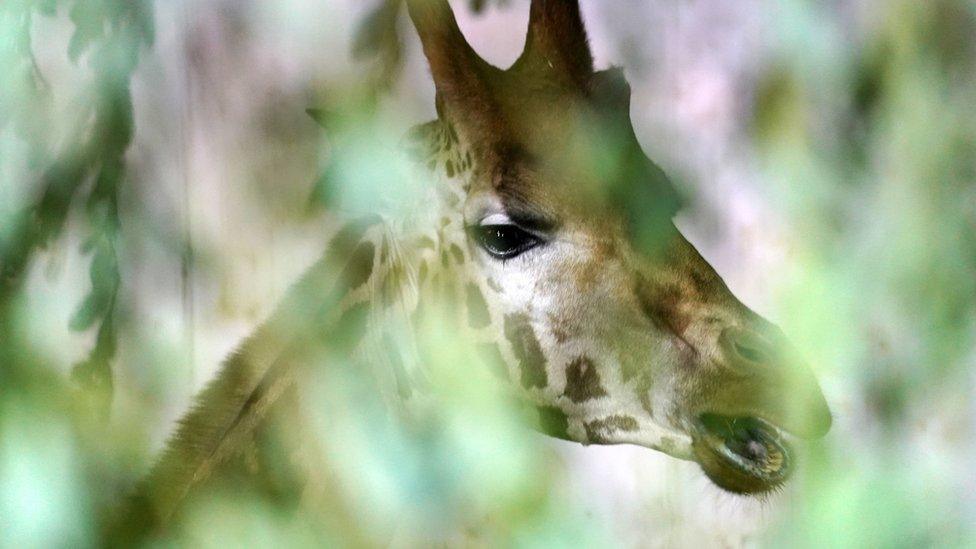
point(504, 241)
point(500, 238)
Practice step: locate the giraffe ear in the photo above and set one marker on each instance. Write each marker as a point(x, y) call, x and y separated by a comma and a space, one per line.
point(460, 75)
point(556, 43)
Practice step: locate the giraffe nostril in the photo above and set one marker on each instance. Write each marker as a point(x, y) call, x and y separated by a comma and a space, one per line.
point(748, 352)
point(745, 347)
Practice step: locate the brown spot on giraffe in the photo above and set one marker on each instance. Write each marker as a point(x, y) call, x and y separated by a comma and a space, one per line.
point(457, 253)
point(347, 249)
point(426, 242)
point(599, 431)
point(358, 269)
point(350, 235)
point(527, 350)
point(583, 381)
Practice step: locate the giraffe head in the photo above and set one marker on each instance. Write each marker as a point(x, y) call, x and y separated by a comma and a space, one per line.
point(610, 322)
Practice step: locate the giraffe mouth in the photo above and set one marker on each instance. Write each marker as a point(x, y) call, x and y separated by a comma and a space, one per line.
point(744, 455)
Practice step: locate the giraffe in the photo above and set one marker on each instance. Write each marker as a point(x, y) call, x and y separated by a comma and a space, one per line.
point(530, 231)
point(612, 344)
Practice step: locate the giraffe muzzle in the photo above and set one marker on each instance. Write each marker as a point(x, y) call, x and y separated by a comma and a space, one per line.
point(744, 455)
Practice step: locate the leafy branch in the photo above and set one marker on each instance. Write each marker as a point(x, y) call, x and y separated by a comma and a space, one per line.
point(111, 34)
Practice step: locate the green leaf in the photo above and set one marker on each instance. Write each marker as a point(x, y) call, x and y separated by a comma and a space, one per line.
point(86, 314)
point(89, 19)
point(47, 7)
point(378, 39)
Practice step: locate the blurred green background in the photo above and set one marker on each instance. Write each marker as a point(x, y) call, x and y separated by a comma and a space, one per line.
point(161, 186)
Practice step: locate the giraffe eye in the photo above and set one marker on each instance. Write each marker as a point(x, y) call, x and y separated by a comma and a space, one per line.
point(504, 241)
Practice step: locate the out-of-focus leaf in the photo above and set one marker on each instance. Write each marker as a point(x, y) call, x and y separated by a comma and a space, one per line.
point(60, 182)
point(86, 314)
point(89, 19)
point(112, 33)
point(94, 375)
point(104, 276)
point(323, 190)
point(375, 31)
point(47, 7)
point(145, 23)
point(378, 40)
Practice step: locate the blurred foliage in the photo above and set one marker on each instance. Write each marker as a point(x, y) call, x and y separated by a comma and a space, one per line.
point(111, 34)
point(53, 463)
point(379, 38)
point(873, 149)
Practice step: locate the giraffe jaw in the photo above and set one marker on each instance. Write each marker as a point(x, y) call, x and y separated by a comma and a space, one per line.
point(744, 455)
point(673, 443)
